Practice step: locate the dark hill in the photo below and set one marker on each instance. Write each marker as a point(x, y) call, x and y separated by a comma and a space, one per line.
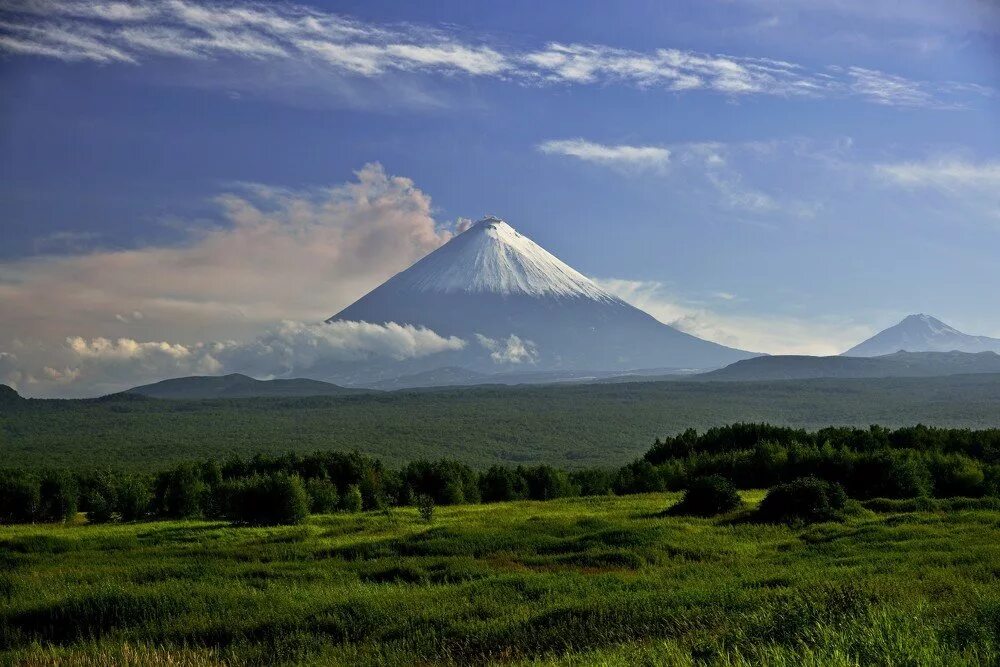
point(900, 364)
point(9, 395)
point(238, 386)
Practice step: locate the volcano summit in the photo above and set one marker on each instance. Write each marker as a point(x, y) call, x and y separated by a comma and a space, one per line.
point(521, 307)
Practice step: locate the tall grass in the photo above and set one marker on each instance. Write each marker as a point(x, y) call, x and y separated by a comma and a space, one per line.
point(604, 580)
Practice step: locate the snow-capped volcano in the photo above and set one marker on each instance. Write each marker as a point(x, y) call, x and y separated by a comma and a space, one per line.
point(491, 256)
point(519, 306)
point(922, 333)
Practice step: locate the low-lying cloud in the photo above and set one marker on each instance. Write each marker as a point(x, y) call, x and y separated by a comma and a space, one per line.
point(86, 367)
point(510, 350)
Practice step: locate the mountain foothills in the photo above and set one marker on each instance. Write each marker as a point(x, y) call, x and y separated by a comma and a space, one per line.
point(519, 306)
point(900, 364)
point(922, 333)
point(236, 385)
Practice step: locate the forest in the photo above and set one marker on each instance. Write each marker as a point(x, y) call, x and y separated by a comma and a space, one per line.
point(864, 464)
point(566, 426)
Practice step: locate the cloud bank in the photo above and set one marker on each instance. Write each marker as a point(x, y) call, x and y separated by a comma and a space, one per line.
point(131, 33)
point(86, 367)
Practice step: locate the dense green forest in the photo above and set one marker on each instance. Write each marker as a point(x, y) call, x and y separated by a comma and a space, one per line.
point(571, 427)
point(818, 469)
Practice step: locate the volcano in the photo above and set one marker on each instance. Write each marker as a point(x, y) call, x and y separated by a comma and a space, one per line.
point(922, 333)
point(520, 307)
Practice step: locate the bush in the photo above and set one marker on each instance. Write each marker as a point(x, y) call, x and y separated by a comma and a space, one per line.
point(323, 496)
point(499, 484)
point(276, 499)
point(709, 496)
point(425, 505)
point(545, 483)
point(180, 493)
point(100, 504)
point(351, 500)
point(639, 477)
point(957, 475)
point(20, 497)
point(58, 494)
point(806, 499)
point(133, 497)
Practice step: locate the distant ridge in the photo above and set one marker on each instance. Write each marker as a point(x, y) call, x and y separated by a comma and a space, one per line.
point(922, 333)
point(9, 395)
point(899, 364)
point(236, 385)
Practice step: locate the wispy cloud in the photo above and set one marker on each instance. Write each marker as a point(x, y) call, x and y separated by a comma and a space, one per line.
point(945, 174)
point(762, 332)
point(619, 155)
point(710, 165)
point(131, 33)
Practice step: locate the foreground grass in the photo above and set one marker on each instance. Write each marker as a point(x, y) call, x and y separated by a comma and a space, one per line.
point(578, 581)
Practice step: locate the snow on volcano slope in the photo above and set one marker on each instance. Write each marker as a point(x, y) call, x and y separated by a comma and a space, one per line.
point(492, 256)
point(519, 306)
point(922, 333)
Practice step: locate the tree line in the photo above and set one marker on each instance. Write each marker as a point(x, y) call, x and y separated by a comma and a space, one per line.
point(868, 463)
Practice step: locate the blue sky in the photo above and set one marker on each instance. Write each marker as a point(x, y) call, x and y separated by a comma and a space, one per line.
point(785, 177)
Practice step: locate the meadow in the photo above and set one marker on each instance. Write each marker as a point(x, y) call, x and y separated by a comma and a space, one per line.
point(568, 426)
point(594, 580)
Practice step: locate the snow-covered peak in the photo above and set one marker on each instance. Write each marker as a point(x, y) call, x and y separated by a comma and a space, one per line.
point(491, 256)
point(922, 333)
point(927, 324)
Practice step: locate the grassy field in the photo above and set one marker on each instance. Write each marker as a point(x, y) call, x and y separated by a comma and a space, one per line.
point(605, 580)
point(567, 426)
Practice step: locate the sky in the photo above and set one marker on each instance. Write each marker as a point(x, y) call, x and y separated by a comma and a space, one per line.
point(188, 186)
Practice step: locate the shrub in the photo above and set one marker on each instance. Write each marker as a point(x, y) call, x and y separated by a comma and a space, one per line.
point(592, 481)
point(709, 496)
point(425, 505)
point(351, 500)
point(57, 494)
point(133, 497)
point(20, 497)
point(276, 499)
point(545, 483)
point(180, 493)
point(323, 496)
point(806, 499)
point(499, 484)
point(638, 477)
point(100, 504)
point(957, 475)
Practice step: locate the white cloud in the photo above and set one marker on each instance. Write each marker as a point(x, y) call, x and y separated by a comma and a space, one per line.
point(771, 333)
point(87, 367)
point(712, 166)
point(274, 254)
point(108, 32)
point(510, 350)
point(614, 155)
point(949, 174)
